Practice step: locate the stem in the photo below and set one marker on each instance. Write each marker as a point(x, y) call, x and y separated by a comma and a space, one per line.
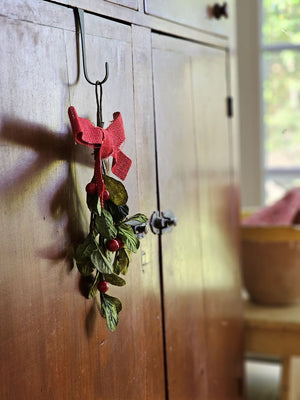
point(92, 223)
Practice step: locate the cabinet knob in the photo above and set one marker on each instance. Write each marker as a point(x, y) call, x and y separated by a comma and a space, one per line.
point(219, 10)
point(162, 222)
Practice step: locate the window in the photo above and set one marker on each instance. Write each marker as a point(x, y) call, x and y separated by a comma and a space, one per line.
point(281, 95)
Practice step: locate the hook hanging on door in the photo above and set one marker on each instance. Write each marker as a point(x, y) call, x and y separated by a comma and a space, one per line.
point(79, 13)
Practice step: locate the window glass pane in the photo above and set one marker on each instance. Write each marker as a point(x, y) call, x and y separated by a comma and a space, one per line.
point(281, 21)
point(281, 93)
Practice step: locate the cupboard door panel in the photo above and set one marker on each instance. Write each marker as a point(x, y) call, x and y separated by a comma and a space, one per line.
point(200, 270)
point(129, 364)
point(39, 318)
point(218, 225)
point(178, 176)
point(53, 343)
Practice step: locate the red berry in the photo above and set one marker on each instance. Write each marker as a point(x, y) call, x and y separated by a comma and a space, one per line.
point(103, 286)
point(121, 244)
point(112, 245)
point(106, 195)
point(91, 188)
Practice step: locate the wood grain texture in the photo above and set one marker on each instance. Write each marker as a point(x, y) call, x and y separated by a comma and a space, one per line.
point(146, 172)
point(219, 225)
point(131, 363)
point(140, 18)
point(38, 288)
point(201, 274)
point(178, 179)
point(54, 344)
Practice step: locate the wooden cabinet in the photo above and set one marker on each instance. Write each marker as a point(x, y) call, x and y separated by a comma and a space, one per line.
point(180, 330)
point(195, 13)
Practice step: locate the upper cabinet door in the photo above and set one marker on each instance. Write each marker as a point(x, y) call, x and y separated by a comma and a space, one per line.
point(194, 13)
point(201, 284)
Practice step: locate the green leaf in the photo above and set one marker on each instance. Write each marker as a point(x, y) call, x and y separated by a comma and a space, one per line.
point(101, 262)
point(85, 267)
point(85, 249)
point(127, 236)
point(110, 307)
point(93, 288)
point(117, 191)
point(115, 280)
point(105, 225)
point(93, 203)
point(110, 256)
point(122, 261)
point(116, 301)
point(137, 219)
point(118, 212)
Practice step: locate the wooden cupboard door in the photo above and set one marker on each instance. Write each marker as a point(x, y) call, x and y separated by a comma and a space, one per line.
point(53, 343)
point(193, 13)
point(201, 287)
point(134, 352)
point(178, 176)
point(219, 225)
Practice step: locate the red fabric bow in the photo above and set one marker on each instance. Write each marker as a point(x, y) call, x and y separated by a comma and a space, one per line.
point(106, 142)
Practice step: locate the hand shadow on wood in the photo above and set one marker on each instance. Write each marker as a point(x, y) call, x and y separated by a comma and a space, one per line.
point(29, 170)
point(35, 151)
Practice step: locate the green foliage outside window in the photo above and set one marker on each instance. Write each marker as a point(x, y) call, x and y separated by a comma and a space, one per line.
point(281, 21)
point(281, 84)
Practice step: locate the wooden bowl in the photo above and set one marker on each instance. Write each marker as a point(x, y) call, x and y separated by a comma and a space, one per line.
point(271, 264)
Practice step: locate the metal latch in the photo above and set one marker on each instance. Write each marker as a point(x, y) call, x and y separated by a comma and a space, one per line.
point(162, 222)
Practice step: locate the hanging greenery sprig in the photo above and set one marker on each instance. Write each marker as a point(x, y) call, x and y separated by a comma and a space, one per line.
point(105, 253)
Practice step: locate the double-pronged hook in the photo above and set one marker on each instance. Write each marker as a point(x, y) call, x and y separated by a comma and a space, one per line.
point(80, 17)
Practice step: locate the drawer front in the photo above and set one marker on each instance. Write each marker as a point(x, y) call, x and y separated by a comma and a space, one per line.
point(194, 13)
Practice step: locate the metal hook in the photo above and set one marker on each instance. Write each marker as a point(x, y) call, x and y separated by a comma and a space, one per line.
point(80, 17)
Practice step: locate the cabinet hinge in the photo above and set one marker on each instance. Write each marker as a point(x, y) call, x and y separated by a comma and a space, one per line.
point(229, 102)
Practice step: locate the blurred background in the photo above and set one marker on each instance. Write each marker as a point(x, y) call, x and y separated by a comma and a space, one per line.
point(268, 33)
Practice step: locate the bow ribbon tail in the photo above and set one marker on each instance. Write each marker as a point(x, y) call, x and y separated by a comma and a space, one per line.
point(121, 164)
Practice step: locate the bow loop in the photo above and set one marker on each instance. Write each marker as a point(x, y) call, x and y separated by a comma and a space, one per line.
point(107, 141)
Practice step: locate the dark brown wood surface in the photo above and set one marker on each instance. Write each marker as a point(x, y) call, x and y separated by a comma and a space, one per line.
point(53, 343)
point(200, 268)
point(219, 225)
point(181, 250)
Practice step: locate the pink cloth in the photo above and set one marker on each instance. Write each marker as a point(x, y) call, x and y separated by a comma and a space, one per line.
point(285, 211)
